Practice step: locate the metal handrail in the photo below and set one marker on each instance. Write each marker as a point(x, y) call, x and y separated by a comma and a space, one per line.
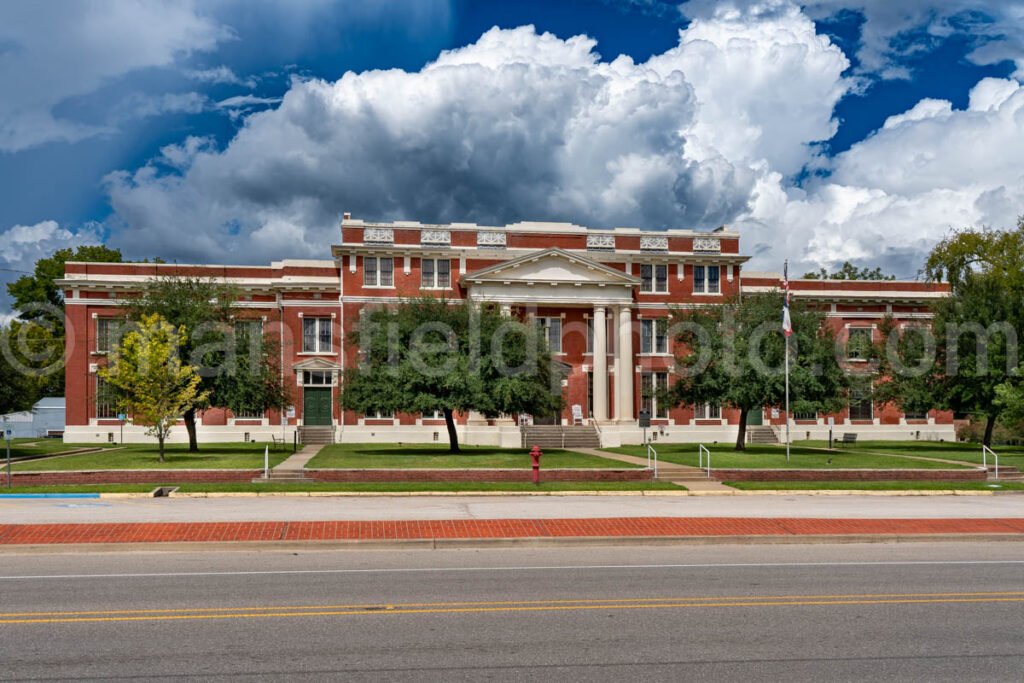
point(700, 459)
point(651, 450)
point(985, 450)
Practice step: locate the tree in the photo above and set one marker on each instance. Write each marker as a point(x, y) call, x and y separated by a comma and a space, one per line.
point(432, 354)
point(734, 356)
point(848, 271)
point(976, 329)
point(241, 374)
point(15, 392)
point(155, 387)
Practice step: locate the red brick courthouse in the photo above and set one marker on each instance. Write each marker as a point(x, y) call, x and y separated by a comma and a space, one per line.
point(602, 298)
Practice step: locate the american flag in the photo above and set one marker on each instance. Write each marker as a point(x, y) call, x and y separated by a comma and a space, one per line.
point(787, 325)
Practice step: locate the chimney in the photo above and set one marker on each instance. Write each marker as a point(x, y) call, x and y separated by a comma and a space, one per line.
point(346, 216)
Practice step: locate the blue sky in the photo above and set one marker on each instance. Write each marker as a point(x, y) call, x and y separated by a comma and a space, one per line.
point(238, 131)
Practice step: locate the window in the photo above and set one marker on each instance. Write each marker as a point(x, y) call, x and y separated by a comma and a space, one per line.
point(108, 333)
point(654, 336)
point(858, 343)
point(248, 328)
point(860, 399)
point(379, 415)
point(317, 378)
point(590, 394)
point(805, 416)
point(653, 278)
point(316, 335)
point(706, 279)
point(651, 385)
point(249, 414)
point(910, 414)
point(707, 411)
point(378, 271)
point(434, 415)
point(551, 329)
point(435, 273)
point(609, 338)
point(106, 400)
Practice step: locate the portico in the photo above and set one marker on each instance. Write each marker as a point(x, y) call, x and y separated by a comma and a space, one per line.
point(557, 279)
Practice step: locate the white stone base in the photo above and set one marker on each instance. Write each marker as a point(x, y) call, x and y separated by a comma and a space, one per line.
point(205, 434)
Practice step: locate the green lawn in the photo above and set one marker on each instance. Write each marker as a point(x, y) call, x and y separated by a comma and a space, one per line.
point(962, 452)
point(874, 486)
point(176, 457)
point(24, 447)
point(361, 487)
point(774, 457)
point(419, 456)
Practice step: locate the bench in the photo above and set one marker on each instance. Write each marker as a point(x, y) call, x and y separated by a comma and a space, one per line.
point(848, 439)
point(278, 441)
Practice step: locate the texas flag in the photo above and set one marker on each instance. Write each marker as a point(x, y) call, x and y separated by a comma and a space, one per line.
point(787, 325)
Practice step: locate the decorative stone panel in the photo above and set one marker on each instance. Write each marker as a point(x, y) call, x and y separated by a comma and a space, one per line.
point(707, 245)
point(652, 243)
point(378, 236)
point(436, 237)
point(491, 239)
point(598, 241)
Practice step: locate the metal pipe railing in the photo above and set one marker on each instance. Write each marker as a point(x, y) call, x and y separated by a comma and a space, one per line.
point(985, 450)
point(702, 451)
point(651, 451)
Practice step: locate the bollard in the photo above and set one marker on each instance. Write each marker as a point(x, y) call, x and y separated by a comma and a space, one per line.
point(535, 457)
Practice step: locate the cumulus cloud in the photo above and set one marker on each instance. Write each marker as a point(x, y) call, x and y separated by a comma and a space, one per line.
point(51, 52)
point(518, 125)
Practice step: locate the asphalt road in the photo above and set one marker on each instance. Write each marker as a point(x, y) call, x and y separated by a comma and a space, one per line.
point(22, 511)
point(919, 611)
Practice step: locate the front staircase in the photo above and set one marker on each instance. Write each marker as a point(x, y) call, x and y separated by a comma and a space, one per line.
point(560, 436)
point(316, 435)
point(1007, 473)
point(761, 434)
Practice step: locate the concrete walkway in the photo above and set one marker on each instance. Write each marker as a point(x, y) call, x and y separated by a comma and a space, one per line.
point(693, 478)
point(297, 461)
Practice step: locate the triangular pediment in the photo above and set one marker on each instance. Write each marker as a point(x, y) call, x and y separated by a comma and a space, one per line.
point(315, 364)
point(554, 266)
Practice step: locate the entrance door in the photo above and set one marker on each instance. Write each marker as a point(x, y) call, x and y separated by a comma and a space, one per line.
point(316, 406)
point(755, 417)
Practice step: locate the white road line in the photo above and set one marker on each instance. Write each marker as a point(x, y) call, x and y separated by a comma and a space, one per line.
point(413, 570)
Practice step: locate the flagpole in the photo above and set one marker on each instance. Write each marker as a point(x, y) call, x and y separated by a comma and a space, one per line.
point(786, 277)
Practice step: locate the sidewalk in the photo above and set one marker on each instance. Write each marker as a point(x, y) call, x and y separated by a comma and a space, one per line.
point(745, 528)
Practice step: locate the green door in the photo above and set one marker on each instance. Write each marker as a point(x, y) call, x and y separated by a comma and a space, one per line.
point(755, 417)
point(316, 406)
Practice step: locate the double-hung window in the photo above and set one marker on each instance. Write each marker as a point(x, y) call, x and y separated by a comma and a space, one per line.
point(378, 271)
point(108, 334)
point(379, 415)
point(653, 384)
point(106, 399)
point(435, 273)
point(316, 335)
point(707, 411)
point(858, 343)
point(653, 278)
point(707, 279)
point(609, 336)
point(550, 329)
point(654, 336)
point(861, 407)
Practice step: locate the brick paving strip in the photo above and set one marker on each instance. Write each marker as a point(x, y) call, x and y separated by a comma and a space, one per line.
point(399, 530)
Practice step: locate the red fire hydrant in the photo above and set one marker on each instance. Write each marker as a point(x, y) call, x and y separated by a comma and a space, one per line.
point(535, 457)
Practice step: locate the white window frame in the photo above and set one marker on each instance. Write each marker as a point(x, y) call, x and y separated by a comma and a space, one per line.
point(860, 330)
point(650, 284)
point(118, 329)
point(326, 377)
point(654, 381)
point(702, 284)
point(434, 280)
point(255, 415)
point(374, 278)
point(870, 397)
point(609, 337)
point(110, 413)
point(649, 328)
point(239, 323)
point(379, 415)
point(318, 323)
point(707, 411)
point(543, 322)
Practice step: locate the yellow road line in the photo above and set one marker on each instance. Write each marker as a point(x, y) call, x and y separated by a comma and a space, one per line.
point(551, 606)
point(582, 601)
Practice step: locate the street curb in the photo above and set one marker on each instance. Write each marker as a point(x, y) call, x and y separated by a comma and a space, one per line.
point(533, 542)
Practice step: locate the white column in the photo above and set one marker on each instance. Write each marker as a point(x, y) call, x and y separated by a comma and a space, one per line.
point(600, 370)
point(624, 367)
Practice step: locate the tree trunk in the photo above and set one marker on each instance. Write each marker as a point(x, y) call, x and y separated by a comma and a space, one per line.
point(990, 425)
point(190, 427)
point(161, 441)
point(453, 436)
point(741, 433)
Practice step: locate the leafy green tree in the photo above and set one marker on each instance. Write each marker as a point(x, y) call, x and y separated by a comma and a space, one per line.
point(432, 354)
point(154, 386)
point(15, 391)
point(848, 271)
point(734, 356)
point(976, 329)
point(251, 381)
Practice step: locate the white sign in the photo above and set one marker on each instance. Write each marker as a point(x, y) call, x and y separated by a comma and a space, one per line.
point(775, 413)
point(831, 422)
point(291, 411)
point(8, 434)
point(577, 412)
